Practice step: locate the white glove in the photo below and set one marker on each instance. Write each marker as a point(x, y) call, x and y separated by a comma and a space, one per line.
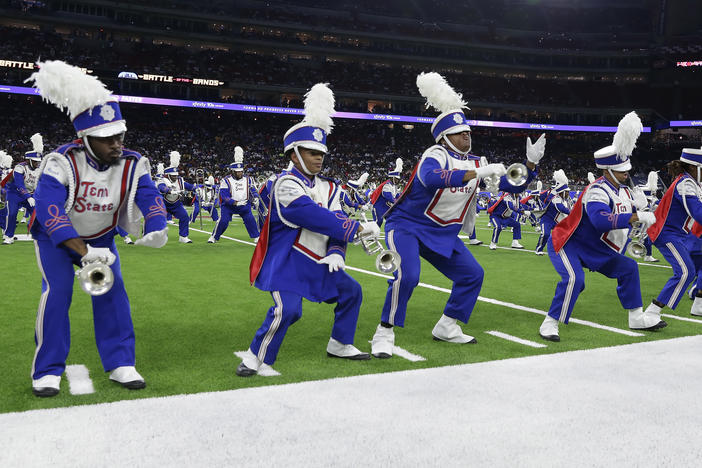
point(366, 207)
point(155, 239)
point(535, 151)
point(335, 262)
point(98, 254)
point(640, 201)
point(31, 201)
point(527, 213)
point(496, 169)
point(370, 229)
point(647, 217)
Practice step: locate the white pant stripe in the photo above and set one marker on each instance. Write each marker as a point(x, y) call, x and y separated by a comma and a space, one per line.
point(396, 284)
point(277, 318)
point(39, 325)
point(569, 289)
point(683, 279)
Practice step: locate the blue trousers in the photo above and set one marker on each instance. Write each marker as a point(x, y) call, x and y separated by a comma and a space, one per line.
point(547, 226)
point(227, 212)
point(178, 211)
point(499, 223)
point(13, 206)
point(287, 309)
point(686, 259)
point(569, 264)
point(212, 210)
point(462, 268)
point(112, 321)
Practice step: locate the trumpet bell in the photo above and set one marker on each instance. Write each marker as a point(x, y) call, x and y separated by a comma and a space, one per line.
point(636, 249)
point(96, 278)
point(387, 261)
point(517, 174)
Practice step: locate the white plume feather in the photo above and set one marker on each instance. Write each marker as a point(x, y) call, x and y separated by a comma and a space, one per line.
point(37, 143)
point(590, 177)
point(539, 185)
point(398, 165)
point(210, 180)
point(560, 177)
point(238, 154)
point(652, 184)
point(319, 107)
point(362, 180)
point(5, 159)
point(438, 93)
point(160, 168)
point(68, 87)
point(628, 132)
point(175, 158)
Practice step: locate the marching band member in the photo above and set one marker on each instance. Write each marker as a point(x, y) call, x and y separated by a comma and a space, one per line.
point(236, 192)
point(303, 244)
point(206, 199)
point(678, 210)
point(86, 188)
point(506, 212)
point(172, 187)
point(20, 187)
point(352, 197)
point(5, 175)
point(385, 195)
point(437, 203)
point(650, 190)
point(555, 206)
point(595, 234)
point(532, 204)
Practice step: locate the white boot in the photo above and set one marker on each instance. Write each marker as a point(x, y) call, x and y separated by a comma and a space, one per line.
point(128, 377)
point(184, 240)
point(475, 242)
point(46, 386)
point(128, 240)
point(549, 329)
point(517, 245)
point(347, 351)
point(646, 320)
point(650, 258)
point(540, 252)
point(382, 343)
point(697, 307)
point(493, 246)
point(7, 240)
point(250, 364)
point(211, 240)
point(446, 329)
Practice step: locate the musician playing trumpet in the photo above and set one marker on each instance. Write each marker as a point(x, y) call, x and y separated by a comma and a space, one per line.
point(595, 234)
point(173, 188)
point(439, 201)
point(85, 189)
point(673, 233)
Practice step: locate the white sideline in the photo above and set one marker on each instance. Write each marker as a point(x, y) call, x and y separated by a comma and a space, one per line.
point(683, 319)
point(79, 382)
point(516, 339)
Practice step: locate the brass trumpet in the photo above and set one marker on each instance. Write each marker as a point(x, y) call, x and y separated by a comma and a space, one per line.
point(96, 278)
point(637, 234)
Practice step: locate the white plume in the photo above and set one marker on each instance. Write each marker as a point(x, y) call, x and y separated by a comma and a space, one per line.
point(560, 177)
point(652, 184)
point(539, 185)
point(438, 93)
point(238, 154)
point(360, 181)
point(210, 181)
point(175, 158)
point(160, 168)
point(319, 107)
point(5, 159)
point(37, 143)
point(68, 87)
point(398, 165)
point(590, 177)
point(628, 132)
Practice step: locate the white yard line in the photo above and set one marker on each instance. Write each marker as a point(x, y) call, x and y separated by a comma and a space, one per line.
point(79, 382)
point(403, 353)
point(516, 339)
point(684, 319)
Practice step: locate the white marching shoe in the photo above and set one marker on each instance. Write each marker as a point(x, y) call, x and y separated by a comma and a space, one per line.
point(446, 329)
point(46, 386)
point(517, 245)
point(184, 240)
point(540, 252)
point(650, 319)
point(250, 364)
point(475, 242)
point(211, 240)
point(382, 343)
point(696, 308)
point(549, 329)
point(128, 377)
point(170, 221)
point(128, 240)
point(493, 246)
point(650, 258)
point(7, 240)
point(346, 351)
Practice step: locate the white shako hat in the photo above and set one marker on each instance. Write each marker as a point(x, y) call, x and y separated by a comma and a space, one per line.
point(442, 97)
point(238, 164)
point(616, 156)
point(560, 181)
point(312, 132)
point(174, 157)
point(397, 171)
point(37, 148)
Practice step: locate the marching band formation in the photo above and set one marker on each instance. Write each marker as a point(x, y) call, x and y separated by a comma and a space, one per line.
point(86, 191)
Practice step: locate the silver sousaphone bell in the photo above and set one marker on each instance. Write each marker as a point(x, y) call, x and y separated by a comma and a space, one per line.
point(96, 278)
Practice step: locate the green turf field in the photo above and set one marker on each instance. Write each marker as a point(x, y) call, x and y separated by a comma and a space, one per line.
point(193, 308)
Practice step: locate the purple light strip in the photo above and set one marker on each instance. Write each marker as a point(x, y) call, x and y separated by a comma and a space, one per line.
point(686, 123)
point(346, 115)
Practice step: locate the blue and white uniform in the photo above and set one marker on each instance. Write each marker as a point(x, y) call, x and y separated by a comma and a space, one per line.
point(235, 197)
point(556, 210)
point(207, 200)
point(172, 191)
point(20, 189)
point(305, 223)
point(505, 213)
point(77, 197)
point(387, 194)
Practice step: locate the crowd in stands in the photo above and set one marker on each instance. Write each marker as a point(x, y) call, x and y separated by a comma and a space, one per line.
point(206, 139)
